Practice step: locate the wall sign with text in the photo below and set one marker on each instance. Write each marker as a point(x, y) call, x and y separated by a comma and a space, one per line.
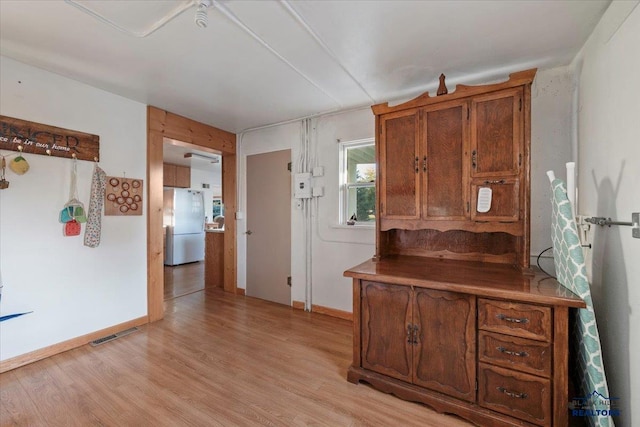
point(37, 138)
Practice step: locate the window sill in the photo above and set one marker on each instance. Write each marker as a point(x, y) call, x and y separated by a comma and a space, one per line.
point(354, 227)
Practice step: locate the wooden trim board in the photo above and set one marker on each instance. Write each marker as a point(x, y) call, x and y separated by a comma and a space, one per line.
point(43, 353)
point(340, 314)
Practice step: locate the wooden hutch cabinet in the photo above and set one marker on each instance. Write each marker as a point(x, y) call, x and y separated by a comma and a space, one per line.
point(449, 312)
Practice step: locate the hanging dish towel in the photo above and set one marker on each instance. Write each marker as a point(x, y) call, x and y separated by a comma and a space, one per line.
point(571, 272)
point(94, 221)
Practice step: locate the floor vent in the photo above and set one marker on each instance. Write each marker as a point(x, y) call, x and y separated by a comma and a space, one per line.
point(112, 336)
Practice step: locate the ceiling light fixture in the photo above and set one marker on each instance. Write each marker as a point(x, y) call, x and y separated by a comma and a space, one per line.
point(213, 159)
point(202, 20)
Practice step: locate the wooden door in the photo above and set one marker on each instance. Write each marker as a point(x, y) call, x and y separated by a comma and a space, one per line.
point(496, 133)
point(445, 135)
point(399, 166)
point(444, 357)
point(183, 176)
point(387, 329)
point(269, 226)
point(168, 175)
point(505, 197)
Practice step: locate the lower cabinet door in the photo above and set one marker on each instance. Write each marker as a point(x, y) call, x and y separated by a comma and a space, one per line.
point(386, 329)
point(515, 393)
point(444, 351)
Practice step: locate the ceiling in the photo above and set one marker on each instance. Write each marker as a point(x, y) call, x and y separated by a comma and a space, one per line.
point(265, 62)
point(179, 153)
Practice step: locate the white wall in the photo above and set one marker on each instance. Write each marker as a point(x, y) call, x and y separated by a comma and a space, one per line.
point(213, 177)
point(608, 177)
point(73, 290)
point(334, 248)
point(551, 115)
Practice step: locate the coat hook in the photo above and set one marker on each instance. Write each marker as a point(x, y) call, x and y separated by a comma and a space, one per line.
point(95, 159)
point(20, 148)
point(73, 155)
point(48, 152)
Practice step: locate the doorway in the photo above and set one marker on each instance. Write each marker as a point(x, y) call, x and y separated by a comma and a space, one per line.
point(192, 179)
point(269, 226)
point(163, 124)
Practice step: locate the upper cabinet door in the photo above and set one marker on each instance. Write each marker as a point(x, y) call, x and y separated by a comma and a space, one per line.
point(445, 132)
point(399, 165)
point(496, 133)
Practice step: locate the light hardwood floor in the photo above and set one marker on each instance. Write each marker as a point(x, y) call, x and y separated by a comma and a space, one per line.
point(215, 360)
point(183, 279)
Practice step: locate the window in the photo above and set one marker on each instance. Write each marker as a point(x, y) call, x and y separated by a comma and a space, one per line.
point(358, 182)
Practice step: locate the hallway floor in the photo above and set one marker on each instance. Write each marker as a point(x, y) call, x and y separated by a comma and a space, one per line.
point(183, 279)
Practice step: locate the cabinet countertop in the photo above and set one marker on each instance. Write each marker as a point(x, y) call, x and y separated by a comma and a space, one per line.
point(482, 279)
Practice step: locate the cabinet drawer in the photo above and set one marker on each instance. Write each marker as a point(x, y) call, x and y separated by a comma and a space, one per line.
point(514, 393)
point(522, 354)
point(522, 320)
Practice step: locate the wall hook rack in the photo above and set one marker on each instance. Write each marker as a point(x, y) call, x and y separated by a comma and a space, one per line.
point(36, 138)
point(602, 221)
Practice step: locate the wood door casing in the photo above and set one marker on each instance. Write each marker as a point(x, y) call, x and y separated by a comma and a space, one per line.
point(444, 358)
point(398, 156)
point(160, 125)
point(386, 314)
point(445, 134)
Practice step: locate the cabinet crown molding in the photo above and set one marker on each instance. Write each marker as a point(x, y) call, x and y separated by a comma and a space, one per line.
point(461, 91)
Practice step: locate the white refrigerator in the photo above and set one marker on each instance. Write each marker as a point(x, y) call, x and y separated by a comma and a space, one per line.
point(183, 218)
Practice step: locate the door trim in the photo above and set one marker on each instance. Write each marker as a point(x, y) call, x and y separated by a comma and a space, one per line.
point(163, 124)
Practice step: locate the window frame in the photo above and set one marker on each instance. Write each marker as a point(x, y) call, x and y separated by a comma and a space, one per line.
point(345, 186)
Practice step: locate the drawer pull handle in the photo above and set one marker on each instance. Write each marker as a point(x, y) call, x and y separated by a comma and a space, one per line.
point(512, 353)
point(500, 182)
point(511, 393)
point(416, 164)
point(409, 334)
point(512, 319)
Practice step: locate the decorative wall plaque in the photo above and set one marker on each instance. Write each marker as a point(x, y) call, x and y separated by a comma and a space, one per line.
point(123, 196)
point(37, 138)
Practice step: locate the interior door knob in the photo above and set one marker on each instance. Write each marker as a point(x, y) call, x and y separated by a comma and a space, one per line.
point(249, 232)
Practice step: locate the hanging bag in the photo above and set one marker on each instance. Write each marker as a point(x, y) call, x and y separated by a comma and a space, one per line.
point(73, 214)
